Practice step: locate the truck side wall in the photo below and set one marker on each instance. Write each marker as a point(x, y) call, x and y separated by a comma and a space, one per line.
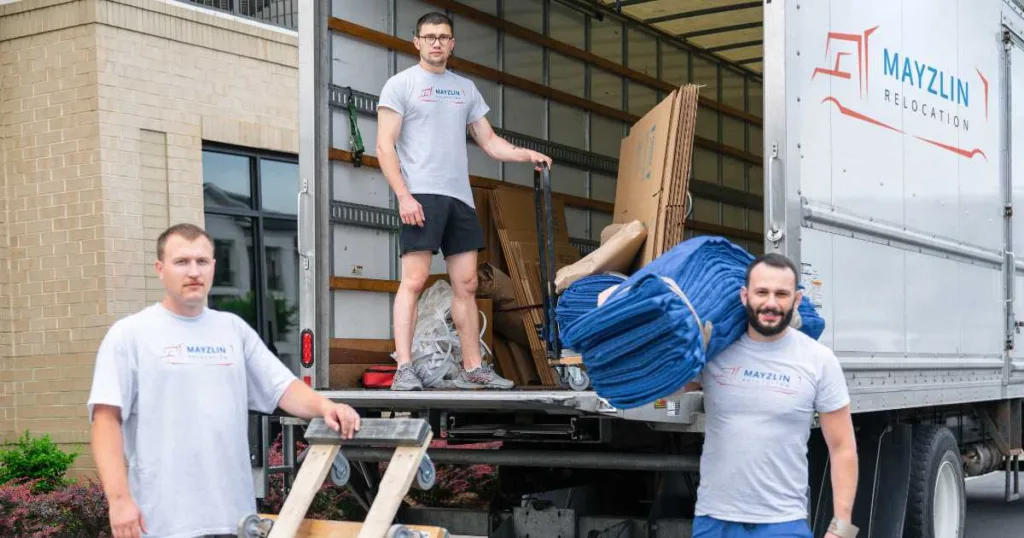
point(892, 170)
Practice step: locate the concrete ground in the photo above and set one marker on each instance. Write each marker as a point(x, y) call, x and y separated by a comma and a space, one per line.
point(988, 515)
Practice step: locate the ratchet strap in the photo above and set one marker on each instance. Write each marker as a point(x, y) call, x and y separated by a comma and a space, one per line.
point(355, 139)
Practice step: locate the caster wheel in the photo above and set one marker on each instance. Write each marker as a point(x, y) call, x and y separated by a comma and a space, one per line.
point(399, 531)
point(427, 474)
point(341, 471)
point(253, 526)
point(579, 380)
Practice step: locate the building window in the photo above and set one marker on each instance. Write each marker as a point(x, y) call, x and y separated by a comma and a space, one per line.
point(251, 212)
point(283, 13)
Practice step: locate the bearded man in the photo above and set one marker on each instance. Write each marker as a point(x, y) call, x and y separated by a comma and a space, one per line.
point(760, 398)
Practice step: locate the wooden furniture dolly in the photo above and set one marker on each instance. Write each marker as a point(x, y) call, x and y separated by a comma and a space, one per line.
point(410, 439)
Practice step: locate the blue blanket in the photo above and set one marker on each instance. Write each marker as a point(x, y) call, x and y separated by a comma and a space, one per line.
point(644, 343)
point(581, 297)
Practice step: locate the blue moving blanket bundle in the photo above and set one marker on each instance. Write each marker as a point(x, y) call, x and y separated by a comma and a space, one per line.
point(581, 297)
point(645, 343)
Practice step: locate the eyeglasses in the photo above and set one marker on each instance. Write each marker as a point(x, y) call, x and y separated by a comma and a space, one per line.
point(430, 39)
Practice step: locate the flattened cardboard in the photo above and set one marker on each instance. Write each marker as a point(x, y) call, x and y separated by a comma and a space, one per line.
point(514, 215)
point(654, 170)
point(642, 159)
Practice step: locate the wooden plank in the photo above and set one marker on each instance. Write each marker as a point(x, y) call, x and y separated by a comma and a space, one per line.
point(344, 283)
point(378, 345)
point(580, 202)
point(393, 488)
point(400, 45)
point(580, 54)
point(494, 75)
point(347, 376)
point(361, 351)
point(322, 528)
point(307, 483)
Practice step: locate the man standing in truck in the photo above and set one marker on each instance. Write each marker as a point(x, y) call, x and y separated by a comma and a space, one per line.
point(760, 397)
point(423, 114)
point(169, 404)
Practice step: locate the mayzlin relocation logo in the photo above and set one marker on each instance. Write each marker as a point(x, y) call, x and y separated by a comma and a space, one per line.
point(945, 86)
point(937, 93)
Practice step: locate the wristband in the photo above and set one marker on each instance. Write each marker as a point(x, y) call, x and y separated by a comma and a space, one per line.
point(842, 529)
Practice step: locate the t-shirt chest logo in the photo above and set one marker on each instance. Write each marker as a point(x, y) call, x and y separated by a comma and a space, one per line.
point(434, 94)
point(758, 379)
point(198, 355)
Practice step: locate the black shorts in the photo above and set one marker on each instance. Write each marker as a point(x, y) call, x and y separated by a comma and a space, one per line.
point(451, 227)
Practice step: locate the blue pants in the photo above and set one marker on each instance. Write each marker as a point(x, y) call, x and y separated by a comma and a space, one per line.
point(707, 527)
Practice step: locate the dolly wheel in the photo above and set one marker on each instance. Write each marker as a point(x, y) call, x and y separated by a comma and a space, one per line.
point(253, 526)
point(427, 474)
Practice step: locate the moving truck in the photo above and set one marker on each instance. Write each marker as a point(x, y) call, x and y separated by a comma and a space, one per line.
point(877, 144)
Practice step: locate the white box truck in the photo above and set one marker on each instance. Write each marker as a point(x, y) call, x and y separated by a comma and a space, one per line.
point(888, 172)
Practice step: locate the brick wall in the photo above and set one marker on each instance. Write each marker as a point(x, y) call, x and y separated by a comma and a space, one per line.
point(105, 106)
point(50, 291)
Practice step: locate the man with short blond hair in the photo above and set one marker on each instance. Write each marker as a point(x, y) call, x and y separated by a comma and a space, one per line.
point(171, 393)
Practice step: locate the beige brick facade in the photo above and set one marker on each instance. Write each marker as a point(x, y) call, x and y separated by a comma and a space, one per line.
point(104, 108)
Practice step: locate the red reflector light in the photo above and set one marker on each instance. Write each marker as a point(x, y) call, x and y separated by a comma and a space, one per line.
point(307, 380)
point(307, 349)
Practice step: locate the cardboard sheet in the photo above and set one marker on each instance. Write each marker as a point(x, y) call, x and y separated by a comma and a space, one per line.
point(514, 214)
point(616, 254)
point(654, 172)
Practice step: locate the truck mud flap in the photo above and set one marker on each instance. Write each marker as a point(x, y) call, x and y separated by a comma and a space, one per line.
point(884, 453)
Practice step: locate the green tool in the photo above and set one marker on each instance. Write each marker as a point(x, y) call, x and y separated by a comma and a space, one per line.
point(355, 139)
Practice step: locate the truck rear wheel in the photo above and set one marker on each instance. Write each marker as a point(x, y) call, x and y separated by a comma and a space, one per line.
point(937, 501)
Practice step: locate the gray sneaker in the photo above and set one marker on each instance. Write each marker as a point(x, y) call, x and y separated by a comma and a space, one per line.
point(406, 379)
point(483, 377)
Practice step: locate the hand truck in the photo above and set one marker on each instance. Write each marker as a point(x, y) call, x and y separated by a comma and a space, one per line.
point(567, 364)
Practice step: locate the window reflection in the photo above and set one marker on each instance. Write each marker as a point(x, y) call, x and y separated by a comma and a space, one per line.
point(279, 186)
point(280, 238)
point(235, 270)
point(226, 181)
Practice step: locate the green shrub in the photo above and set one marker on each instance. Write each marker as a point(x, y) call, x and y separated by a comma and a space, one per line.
point(38, 459)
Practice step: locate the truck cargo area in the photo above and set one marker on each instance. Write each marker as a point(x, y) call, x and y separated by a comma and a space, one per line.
point(870, 145)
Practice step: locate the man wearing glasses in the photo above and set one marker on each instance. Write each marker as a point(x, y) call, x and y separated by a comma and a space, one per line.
point(423, 114)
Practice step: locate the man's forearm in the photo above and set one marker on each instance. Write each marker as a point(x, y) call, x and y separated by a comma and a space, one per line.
point(387, 156)
point(301, 401)
point(503, 150)
point(844, 482)
point(108, 453)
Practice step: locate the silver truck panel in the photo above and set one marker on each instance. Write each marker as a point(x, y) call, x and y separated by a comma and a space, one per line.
point(901, 240)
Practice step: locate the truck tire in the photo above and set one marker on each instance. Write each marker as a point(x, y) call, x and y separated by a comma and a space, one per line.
point(937, 503)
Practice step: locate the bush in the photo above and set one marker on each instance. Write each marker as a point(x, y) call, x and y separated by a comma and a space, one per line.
point(76, 511)
point(39, 460)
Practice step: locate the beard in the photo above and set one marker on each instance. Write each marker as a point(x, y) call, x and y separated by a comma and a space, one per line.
point(785, 317)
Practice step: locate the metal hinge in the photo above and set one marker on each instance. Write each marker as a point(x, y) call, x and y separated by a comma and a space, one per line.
point(1007, 211)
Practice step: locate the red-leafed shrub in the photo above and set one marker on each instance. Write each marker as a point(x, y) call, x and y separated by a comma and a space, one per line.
point(74, 511)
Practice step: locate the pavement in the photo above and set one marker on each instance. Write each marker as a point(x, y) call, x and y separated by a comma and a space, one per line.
point(988, 515)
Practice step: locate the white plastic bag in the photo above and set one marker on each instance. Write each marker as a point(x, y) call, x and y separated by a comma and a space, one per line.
point(436, 350)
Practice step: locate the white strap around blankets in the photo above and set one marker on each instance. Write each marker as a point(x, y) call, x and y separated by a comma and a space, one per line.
point(410, 439)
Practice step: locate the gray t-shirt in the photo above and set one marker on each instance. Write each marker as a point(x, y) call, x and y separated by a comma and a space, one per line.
point(184, 386)
point(760, 399)
point(435, 110)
